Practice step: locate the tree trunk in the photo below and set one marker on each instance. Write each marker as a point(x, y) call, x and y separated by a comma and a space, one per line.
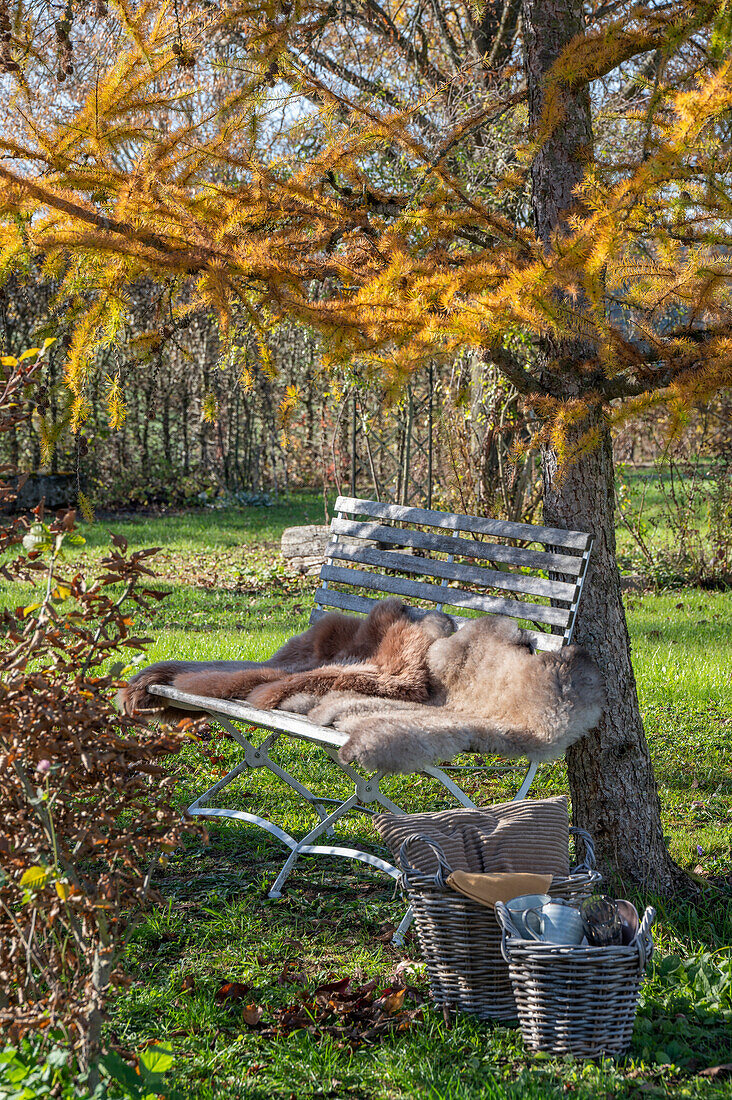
point(614, 793)
point(611, 781)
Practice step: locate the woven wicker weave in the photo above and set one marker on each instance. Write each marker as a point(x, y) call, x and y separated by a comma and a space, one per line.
point(574, 999)
point(461, 940)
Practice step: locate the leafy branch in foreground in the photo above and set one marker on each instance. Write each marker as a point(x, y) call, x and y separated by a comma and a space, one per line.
point(85, 801)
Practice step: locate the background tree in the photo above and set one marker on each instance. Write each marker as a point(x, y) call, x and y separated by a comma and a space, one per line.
point(241, 199)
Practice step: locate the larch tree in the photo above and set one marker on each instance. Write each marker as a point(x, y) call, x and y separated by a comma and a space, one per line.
point(612, 784)
point(209, 146)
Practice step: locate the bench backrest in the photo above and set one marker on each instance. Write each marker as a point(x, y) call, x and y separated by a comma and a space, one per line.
point(407, 552)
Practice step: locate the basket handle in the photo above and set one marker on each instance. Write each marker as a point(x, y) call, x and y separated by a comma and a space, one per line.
point(643, 937)
point(444, 870)
point(508, 928)
point(588, 863)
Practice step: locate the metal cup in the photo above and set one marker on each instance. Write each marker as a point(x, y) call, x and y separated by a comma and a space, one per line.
point(556, 922)
point(629, 921)
point(602, 921)
point(517, 908)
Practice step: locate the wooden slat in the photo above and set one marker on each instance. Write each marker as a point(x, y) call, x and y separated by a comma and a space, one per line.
point(553, 536)
point(544, 642)
point(344, 601)
point(453, 597)
point(468, 548)
point(466, 574)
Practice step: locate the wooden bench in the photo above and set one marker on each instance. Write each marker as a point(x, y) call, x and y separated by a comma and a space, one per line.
point(465, 565)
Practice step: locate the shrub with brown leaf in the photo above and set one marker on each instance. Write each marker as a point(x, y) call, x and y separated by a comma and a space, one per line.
point(86, 808)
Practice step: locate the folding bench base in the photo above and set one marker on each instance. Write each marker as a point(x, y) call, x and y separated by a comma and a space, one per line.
point(366, 791)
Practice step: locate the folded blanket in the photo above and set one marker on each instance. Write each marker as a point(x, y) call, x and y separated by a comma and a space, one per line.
point(488, 889)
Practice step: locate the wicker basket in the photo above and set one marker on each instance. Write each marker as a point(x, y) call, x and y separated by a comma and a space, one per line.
point(461, 940)
point(574, 999)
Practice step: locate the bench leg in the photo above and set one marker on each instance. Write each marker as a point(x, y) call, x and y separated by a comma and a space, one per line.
point(398, 938)
point(370, 788)
point(367, 791)
point(528, 780)
point(322, 827)
point(255, 756)
point(450, 785)
point(442, 777)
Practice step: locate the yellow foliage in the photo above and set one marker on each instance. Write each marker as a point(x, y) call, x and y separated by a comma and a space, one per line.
point(210, 408)
point(116, 406)
point(85, 507)
point(403, 276)
point(287, 409)
point(35, 878)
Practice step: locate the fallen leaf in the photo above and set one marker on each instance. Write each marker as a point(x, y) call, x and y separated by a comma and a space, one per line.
point(724, 1070)
point(252, 1014)
point(290, 977)
point(349, 1013)
point(393, 1002)
point(362, 992)
point(338, 988)
point(232, 991)
point(409, 968)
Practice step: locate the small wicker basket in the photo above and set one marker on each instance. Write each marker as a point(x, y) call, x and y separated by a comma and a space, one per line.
point(576, 999)
point(461, 940)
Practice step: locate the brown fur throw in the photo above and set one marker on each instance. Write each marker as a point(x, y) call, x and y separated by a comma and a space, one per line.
point(385, 655)
point(407, 690)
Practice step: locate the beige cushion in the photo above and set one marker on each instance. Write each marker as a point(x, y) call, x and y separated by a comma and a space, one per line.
point(532, 835)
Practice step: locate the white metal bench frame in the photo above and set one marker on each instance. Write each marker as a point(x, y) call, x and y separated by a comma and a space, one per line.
point(349, 565)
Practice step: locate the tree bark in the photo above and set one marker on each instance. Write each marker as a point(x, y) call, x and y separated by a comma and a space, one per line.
point(611, 781)
point(613, 789)
point(558, 165)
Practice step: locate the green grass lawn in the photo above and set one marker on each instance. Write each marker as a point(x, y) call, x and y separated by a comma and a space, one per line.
point(231, 597)
point(663, 520)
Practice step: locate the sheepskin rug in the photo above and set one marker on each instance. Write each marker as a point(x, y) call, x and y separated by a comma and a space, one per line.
point(407, 688)
point(490, 694)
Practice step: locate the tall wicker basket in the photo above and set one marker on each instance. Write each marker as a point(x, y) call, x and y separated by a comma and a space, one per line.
point(461, 940)
point(575, 999)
